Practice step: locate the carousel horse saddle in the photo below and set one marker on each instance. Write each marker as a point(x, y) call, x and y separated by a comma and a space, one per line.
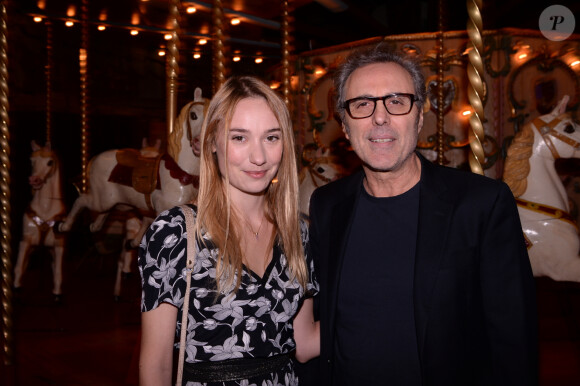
point(132, 169)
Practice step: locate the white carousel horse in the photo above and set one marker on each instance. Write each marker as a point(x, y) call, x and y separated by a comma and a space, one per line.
point(320, 171)
point(543, 205)
point(132, 227)
point(47, 207)
point(152, 185)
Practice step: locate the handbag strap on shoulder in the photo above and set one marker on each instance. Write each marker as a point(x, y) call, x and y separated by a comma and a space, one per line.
point(191, 250)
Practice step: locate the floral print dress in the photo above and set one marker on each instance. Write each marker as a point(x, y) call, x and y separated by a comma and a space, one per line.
point(255, 322)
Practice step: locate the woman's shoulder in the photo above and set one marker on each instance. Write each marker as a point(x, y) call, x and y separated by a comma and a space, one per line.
point(176, 213)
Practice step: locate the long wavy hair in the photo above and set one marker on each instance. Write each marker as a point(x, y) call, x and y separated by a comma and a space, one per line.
point(215, 214)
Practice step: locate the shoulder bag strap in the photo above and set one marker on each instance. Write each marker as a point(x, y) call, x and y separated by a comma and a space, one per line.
point(190, 227)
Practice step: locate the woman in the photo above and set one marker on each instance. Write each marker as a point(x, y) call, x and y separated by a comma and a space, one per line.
point(250, 275)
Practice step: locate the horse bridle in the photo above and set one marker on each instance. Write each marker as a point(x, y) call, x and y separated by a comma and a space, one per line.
point(547, 129)
point(205, 104)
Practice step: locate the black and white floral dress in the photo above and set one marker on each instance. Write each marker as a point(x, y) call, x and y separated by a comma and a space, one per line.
point(255, 322)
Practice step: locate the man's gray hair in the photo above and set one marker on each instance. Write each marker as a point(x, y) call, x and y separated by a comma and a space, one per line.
point(379, 53)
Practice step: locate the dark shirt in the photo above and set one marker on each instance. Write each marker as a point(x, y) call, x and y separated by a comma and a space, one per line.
point(376, 339)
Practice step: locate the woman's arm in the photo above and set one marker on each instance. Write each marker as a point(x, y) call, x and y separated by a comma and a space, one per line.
point(157, 337)
point(306, 332)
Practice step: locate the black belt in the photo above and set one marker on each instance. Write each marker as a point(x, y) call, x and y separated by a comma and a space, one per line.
point(233, 369)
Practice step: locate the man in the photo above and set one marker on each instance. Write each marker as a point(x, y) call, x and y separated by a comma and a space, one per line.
point(424, 274)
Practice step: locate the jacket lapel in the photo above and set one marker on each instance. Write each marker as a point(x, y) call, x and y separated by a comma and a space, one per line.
point(435, 211)
point(340, 229)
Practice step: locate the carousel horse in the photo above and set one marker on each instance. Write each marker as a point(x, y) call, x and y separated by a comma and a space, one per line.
point(320, 171)
point(150, 185)
point(47, 207)
point(551, 233)
point(132, 227)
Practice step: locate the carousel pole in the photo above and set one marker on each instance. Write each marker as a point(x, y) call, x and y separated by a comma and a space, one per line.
point(5, 194)
point(172, 65)
point(48, 77)
point(219, 75)
point(83, 66)
point(440, 80)
point(286, 48)
point(475, 91)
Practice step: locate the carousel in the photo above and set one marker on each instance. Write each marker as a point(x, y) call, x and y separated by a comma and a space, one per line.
point(81, 182)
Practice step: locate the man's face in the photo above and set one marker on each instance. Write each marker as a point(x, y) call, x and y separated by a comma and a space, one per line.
point(383, 142)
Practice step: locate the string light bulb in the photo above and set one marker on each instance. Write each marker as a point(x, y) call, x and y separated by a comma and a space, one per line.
point(196, 55)
point(191, 10)
point(167, 36)
point(236, 58)
point(235, 21)
point(101, 27)
point(69, 23)
point(258, 60)
point(134, 32)
point(37, 19)
point(202, 41)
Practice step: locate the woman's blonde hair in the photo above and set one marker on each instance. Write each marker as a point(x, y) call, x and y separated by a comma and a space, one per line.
point(215, 215)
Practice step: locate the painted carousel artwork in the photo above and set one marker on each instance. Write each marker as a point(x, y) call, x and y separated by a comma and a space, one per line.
point(46, 208)
point(551, 232)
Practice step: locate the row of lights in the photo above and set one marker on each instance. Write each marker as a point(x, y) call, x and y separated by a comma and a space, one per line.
point(197, 55)
point(71, 12)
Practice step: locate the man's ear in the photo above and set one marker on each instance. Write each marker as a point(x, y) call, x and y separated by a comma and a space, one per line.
point(345, 130)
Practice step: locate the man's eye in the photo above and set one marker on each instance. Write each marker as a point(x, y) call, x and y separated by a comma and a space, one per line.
point(362, 104)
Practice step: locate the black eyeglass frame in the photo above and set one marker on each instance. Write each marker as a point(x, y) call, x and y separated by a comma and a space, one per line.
point(412, 97)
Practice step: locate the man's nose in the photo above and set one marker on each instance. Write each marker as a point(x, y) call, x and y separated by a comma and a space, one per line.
point(381, 116)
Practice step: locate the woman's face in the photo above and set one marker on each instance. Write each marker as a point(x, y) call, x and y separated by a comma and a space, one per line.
point(254, 147)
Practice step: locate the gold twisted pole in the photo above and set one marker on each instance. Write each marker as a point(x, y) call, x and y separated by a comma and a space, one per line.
point(475, 90)
point(172, 65)
point(440, 81)
point(286, 48)
point(219, 73)
point(5, 193)
point(48, 77)
point(83, 67)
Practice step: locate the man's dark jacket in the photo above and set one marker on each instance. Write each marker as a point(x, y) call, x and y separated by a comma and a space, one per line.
point(474, 293)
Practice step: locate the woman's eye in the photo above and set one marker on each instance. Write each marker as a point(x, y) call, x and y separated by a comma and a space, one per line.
point(273, 138)
point(238, 138)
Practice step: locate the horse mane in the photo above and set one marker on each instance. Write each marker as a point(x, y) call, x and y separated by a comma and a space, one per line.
point(517, 162)
point(174, 139)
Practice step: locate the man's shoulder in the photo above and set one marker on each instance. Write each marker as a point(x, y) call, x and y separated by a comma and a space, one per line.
point(462, 185)
point(341, 187)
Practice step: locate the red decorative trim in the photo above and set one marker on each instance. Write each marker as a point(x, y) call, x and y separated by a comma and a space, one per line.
point(178, 173)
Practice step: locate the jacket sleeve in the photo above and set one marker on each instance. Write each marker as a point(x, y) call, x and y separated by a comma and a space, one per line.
point(508, 295)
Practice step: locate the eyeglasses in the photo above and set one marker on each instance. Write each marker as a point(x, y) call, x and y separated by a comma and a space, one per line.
point(364, 107)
